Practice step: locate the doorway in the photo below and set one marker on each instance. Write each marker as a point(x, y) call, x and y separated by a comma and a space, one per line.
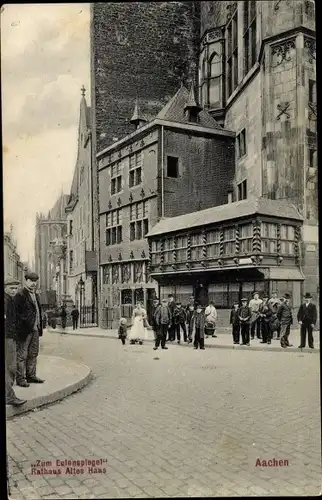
point(201, 295)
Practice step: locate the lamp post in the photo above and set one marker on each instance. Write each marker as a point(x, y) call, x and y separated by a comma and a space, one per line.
point(81, 285)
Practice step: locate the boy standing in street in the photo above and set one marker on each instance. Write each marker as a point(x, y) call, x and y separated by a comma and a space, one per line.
point(199, 321)
point(179, 317)
point(235, 323)
point(244, 317)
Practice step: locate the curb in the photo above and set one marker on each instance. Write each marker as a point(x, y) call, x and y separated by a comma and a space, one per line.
point(211, 346)
point(54, 397)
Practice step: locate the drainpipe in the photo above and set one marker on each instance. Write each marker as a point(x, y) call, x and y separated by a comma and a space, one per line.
point(162, 171)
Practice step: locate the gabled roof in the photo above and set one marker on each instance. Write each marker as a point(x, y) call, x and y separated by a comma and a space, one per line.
point(173, 111)
point(230, 211)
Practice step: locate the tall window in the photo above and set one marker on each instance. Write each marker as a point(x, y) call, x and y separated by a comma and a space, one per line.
point(139, 217)
point(116, 178)
point(71, 228)
point(242, 190)
point(196, 247)
point(106, 274)
point(215, 76)
point(249, 35)
point(182, 247)
point(287, 240)
point(246, 238)
point(113, 232)
point(213, 244)
point(232, 54)
point(229, 241)
point(135, 175)
point(241, 144)
point(269, 237)
point(168, 250)
point(138, 272)
point(156, 253)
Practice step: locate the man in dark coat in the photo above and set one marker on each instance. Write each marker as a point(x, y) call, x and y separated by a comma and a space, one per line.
point(179, 318)
point(172, 328)
point(163, 318)
point(10, 290)
point(63, 316)
point(285, 317)
point(75, 315)
point(156, 304)
point(29, 329)
point(307, 316)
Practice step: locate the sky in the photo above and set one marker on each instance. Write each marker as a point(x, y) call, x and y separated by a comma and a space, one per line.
point(45, 60)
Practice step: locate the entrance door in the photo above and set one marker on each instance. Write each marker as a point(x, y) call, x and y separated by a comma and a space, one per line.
point(201, 295)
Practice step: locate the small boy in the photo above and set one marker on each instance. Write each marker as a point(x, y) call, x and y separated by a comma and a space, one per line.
point(235, 323)
point(189, 314)
point(244, 314)
point(179, 319)
point(123, 330)
point(198, 322)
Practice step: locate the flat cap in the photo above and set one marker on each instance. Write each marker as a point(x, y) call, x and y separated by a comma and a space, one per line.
point(244, 299)
point(31, 276)
point(11, 281)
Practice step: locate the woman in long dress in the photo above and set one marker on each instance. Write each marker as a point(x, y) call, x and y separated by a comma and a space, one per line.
point(139, 319)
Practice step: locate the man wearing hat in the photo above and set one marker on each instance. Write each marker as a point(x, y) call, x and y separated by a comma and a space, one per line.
point(307, 316)
point(10, 289)
point(255, 322)
point(244, 314)
point(29, 329)
point(285, 317)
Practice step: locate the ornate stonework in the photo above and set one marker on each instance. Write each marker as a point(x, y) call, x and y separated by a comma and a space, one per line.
point(283, 110)
point(282, 52)
point(310, 46)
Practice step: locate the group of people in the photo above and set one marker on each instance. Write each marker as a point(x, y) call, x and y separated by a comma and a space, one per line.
point(23, 327)
point(168, 319)
point(264, 317)
point(267, 317)
point(50, 317)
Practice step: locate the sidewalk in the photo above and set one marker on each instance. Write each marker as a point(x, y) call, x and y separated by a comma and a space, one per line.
point(62, 378)
point(223, 340)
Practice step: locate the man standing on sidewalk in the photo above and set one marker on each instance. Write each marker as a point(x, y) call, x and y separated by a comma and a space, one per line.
point(285, 316)
point(172, 328)
point(307, 316)
point(75, 315)
point(163, 317)
point(10, 290)
point(254, 306)
point(29, 329)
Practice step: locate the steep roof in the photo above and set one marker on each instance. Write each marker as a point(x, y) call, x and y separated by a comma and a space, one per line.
point(252, 206)
point(173, 111)
point(58, 210)
point(84, 125)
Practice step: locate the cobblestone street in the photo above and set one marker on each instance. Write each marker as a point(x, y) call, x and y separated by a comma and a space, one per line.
point(174, 423)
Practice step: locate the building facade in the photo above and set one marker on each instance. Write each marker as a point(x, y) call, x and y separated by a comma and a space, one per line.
point(13, 267)
point(49, 229)
point(81, 262)
point(257, 76)
point(228, 252)
point(157, 171)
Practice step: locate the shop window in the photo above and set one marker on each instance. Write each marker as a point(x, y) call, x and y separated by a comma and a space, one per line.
point(249, 36)
point(241, 144)
point(242, 190)
point(126, 297)
point(172, 166)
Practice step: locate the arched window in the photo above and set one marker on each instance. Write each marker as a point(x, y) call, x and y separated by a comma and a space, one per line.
point(215, 76)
